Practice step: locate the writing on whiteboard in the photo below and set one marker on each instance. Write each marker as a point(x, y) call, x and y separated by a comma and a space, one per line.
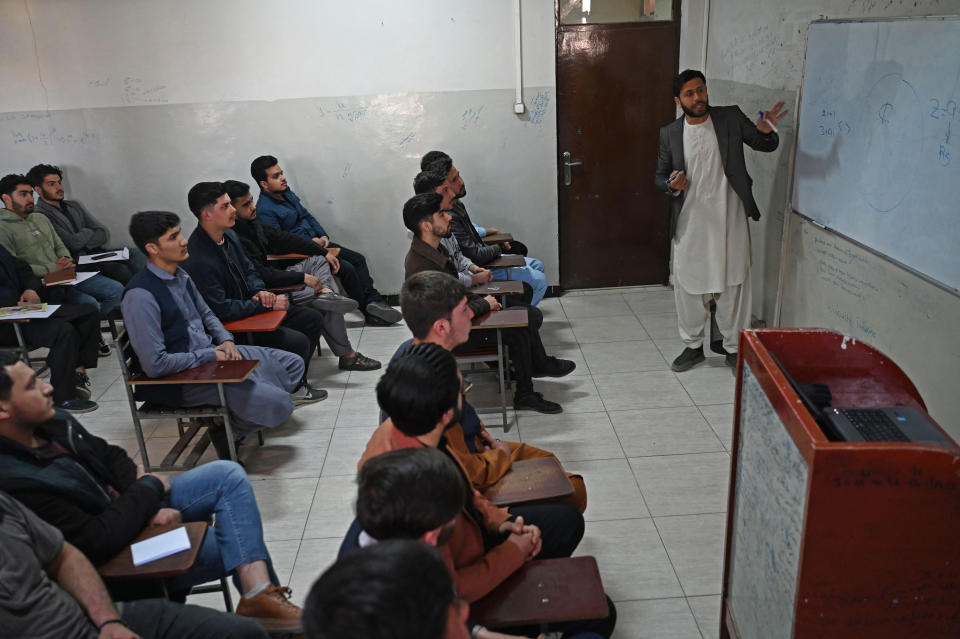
point(136, 91)
point(52, 136)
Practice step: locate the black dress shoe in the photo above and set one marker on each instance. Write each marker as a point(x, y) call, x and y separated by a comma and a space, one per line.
point(689, 358)
point(717, 347)
point(359, 362)
point(556, 367)
point(534, 401)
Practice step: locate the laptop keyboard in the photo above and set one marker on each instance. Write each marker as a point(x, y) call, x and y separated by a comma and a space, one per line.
point(875, 425)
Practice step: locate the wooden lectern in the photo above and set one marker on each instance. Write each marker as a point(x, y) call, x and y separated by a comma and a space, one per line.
point(834, 539)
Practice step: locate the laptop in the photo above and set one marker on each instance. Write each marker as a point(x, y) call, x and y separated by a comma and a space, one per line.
point(878, 424)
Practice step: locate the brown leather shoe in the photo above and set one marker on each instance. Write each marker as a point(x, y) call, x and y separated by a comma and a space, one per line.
point(272, 609)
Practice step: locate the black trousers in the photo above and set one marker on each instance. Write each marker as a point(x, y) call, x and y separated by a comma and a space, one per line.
point(526, 349)
point(72, 335)
point(355, 277)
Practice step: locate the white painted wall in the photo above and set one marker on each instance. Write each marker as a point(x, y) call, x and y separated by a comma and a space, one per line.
point(137, 100)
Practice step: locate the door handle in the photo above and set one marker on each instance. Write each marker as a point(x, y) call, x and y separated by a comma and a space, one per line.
point(567, 177)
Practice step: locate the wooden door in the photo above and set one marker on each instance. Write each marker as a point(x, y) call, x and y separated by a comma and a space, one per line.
point(613, 95)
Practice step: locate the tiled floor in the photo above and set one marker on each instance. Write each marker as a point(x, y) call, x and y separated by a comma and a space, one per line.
point(653, 446)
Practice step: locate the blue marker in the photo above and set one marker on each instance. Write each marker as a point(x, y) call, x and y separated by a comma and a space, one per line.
point(772, 125)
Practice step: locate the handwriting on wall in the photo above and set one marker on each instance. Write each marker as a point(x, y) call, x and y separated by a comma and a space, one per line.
point(748, 51)
point(52, 136)
point(136, 91)
point(471, 117)
point(343, 112)
point(538, 107)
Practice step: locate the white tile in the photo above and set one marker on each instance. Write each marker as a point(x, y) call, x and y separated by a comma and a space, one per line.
point(630, 391)
point(284, 505)
point(720, 418)
point(316, 555)
point(320, 415)
point(574, 394)
point(346, 448)
point(623, 357)
point(661, 325)
point(607, 329)
point(612, 491)
point(655, 619)
point(632, 560)
point(573, 354)
point(683, 484)
point(380, 341)
point(287, 452)
point(556, 332)
point(706, 610)
point(572, 437)
point(695, 546)
point(664, 431)
point(576, 306)
point(646, 305)
point(333, 507)
point(709, 384)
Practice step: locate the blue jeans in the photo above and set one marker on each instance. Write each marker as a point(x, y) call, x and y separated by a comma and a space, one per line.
point(221, 489)
point(532, 274)
point(98, 291)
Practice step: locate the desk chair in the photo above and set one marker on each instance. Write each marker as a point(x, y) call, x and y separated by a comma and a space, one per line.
point(189, 420)
point(120, 568)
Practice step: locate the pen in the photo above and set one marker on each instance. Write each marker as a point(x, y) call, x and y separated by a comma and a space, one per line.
point(772, 125)
point(675, 176)
point(102, 257)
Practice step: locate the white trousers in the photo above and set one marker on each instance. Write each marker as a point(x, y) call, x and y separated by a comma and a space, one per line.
point(733, 313)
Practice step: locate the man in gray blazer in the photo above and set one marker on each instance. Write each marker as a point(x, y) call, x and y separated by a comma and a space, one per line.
point(701, 165)
point(82, 233)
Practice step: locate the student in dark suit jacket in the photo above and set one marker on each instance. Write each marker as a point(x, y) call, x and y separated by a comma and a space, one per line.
point(701, 165)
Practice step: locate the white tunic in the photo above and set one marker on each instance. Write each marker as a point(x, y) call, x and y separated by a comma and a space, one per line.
point(712, 245)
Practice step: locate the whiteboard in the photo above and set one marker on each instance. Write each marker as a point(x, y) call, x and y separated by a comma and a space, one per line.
point(878, 142)
point(768, 508)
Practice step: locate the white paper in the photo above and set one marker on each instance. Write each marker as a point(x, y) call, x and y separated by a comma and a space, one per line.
point(161, 546)
point(51, 309)
point(123, 254)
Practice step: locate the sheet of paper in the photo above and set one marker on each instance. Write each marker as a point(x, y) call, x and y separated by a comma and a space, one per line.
point(47, 312)
point(112, 256)
point(161, 546)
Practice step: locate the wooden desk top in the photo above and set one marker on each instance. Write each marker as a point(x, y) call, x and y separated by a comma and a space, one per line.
point(506, 261)
point(285, 289)
point(545, 591)
point(506, 287)
point(227, 372)
point(260, 323)
point(121, 566)
point(287, 256)
point(510, 318)
point(496, 238)
point(531, 480)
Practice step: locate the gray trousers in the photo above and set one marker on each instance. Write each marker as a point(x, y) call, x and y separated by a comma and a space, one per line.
point(162, 619)
point(334, 328)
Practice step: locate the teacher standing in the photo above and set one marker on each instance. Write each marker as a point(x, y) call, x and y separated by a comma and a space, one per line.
point(700, 164)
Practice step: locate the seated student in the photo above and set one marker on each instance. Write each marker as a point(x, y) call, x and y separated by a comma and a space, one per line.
point(31, 238)
point(435, 310)
point(70, 334)
point(172, 329)
point(59, 595)
point(231, 286)
point(422, 392)
point(398, 589)
point(470, 236)
point(82, 233)
point(416, 494)
point(422, 214)
point(280, 208)
point(100, 500)
point(320, 288)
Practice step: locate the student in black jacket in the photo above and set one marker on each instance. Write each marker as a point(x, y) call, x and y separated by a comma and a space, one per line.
point(72, 334)
point(314, 272)
point(234, 290)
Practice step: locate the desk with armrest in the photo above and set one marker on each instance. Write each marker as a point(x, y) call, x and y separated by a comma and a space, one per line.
point(189, 420)
point(501, 288)
point(497, 238)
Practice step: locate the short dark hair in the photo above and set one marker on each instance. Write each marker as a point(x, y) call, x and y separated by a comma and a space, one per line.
point(428, 181)
point(683, 77)
point(236, 188)
point(419, 208)
point(432, 156)
point(146, 227)
point(406, 493)
point(9, 183)
point(429, 296)
point(204, 194)
point(418, 388)
point(396, 589)
point(9, 358)
point(259, 166)
point(36, 174)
